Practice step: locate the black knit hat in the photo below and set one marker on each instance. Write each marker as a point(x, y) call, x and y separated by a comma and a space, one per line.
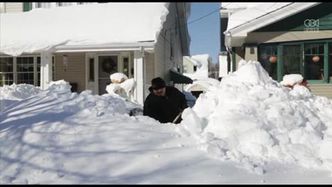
point(157, 83)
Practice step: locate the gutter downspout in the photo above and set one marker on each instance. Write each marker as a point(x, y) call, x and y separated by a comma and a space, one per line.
point(139, 76)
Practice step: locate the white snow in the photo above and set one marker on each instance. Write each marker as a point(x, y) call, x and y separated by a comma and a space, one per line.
point(89, 24)
point(122, 86)
point(14, 92)
point(201, 81)
point(251, 119)
point(291, 79)
point(118, 77)
point(201, 85)
point(202, 63)
point(246, 129)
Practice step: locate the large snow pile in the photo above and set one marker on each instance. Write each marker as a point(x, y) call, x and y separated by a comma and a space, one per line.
point(291, 79)
point(118, 77)
point(122, 86)
point(59, 91)
point(57, 137)
point(254, 120)
point(10, 94)
point(202, 85)
point(18, 92)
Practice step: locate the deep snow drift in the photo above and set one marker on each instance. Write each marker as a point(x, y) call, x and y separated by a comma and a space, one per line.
point(251, 119)
point(248, 129)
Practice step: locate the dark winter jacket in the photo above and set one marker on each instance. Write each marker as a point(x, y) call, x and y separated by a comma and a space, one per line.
point(165, 108)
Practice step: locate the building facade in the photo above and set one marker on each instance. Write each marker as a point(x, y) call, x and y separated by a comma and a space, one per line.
point(90, 66)
point(286, 38)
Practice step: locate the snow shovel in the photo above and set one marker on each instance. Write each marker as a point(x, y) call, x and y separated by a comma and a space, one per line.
point(177, 117)
point(136, 112)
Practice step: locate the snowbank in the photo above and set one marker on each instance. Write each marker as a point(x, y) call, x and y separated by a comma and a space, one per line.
point(202, 85)
point(291, 79)
point(18, 92)
point(125, 89)
point(58, 137)
point(118, 77)
point(252, 119)
point(79, 104)
point(202, 64)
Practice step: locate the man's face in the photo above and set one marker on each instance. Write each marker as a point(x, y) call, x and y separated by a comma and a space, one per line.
point(160, 91)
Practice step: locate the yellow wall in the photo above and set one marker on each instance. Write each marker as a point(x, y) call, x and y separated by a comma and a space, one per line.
point(75, 71)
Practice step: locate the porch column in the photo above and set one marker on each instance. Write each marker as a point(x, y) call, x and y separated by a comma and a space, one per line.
point(45, 69)
point(326, 63)
point(280, 63)
point(139, 76)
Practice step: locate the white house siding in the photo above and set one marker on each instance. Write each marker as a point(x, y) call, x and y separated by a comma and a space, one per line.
point(163, 60)
point(149, 69)
point(188, 66)
point(251, 53)
point(2, 7)
point(11, 7)
point(75, 71)
point(239, 54)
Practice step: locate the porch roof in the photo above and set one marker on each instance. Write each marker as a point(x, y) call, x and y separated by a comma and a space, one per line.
point(81, 26)
point(251, 18)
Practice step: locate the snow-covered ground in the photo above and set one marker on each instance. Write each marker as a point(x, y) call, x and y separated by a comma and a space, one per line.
point(248, 129)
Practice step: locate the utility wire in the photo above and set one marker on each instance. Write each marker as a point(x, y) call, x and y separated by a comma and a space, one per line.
point(187, 23)
point(202, 17)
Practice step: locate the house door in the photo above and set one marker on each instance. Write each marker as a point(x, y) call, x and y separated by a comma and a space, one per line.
point(107, 66)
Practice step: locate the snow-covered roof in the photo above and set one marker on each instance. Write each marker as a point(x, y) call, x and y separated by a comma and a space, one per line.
point(259, 15)
point(81, 25)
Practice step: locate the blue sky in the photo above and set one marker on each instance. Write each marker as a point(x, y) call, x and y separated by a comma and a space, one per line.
point(204, 33)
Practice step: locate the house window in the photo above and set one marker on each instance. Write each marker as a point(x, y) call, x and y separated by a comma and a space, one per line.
point(92, 69)
point(25, 73)
point(53, 68)
point(126, 66)
point(26, 70)
point(292, 59)
point(6, 71)
point(265, 52)
point(38, 71)
point(314, 61)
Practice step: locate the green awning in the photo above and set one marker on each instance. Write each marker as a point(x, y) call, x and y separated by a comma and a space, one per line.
point(178, 78)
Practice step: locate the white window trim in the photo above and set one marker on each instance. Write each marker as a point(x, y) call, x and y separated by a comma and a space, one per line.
point(35, 73)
